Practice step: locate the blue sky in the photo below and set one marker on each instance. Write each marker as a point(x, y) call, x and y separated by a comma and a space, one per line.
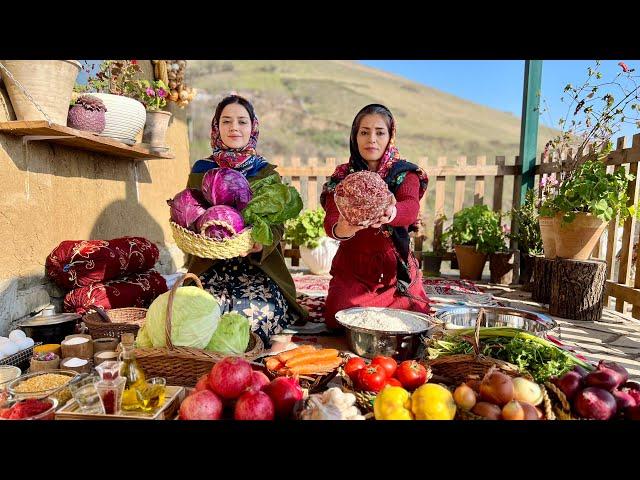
point(498, 83)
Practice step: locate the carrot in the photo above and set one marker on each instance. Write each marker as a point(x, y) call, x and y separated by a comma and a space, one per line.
point(320, 366)
point(284, 356)
point(274, 364)
point(312, 357)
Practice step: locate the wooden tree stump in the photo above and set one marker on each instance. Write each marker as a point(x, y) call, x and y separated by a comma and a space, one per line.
point(541, 283)
point(577, 289)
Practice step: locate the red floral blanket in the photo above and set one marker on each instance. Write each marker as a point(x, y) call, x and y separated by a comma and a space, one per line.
point(135, 290)
point(80, 263)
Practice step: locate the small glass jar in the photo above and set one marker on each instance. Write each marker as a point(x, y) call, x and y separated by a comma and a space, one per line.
point(110, 392)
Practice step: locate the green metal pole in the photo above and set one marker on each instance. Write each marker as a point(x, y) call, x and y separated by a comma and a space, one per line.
point(529, 125)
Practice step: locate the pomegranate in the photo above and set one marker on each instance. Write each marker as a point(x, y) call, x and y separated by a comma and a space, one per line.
point(202, 405)
point(230, 377)
point(254, 405)
point(623, 399)
point(258, 380)
point(284, 392)
point(203, 383)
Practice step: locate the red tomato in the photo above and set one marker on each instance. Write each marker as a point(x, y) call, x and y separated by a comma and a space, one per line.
point(372, 378)
point(352, 367)
point(394, 382)
point(388, 363)
point(411, 374)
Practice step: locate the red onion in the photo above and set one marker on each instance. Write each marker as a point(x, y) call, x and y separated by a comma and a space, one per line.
point(595, 403)
point(623, 399)
point(606, 378)
point(616, 367)
point(570, 383)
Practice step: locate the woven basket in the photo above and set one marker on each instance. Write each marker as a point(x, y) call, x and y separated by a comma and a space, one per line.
point(313, 383)
point(206, 247)
point(365, 399)
point(455, 369)
point(184, 365)
point(113, 323)
point(546, 406)
point(561, 406)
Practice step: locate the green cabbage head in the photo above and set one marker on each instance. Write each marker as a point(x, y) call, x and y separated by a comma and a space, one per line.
point(195, 317)
point(232, 335)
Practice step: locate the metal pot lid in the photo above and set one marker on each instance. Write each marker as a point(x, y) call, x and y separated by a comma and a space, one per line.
point(42, 320)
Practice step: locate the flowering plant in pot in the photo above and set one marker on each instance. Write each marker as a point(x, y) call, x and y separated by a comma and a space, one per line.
point(153, 96)
point(116, 84)
point(316, 249)
point(528, 234)
point(474, 233)
point(587, 197)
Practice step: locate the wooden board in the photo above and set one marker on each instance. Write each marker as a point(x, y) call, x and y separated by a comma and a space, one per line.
point(79, 139)
point(173, 398)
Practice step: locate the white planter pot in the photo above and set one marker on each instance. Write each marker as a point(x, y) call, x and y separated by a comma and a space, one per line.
point(319, 259)
point(124, 118)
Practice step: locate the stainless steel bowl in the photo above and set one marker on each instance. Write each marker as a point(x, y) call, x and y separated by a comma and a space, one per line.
point(465, 317)
point(367, 342)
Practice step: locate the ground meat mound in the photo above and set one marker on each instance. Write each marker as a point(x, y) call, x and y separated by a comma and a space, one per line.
point(362, 197)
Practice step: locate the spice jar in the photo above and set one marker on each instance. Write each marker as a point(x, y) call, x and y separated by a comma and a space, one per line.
point(110, 392)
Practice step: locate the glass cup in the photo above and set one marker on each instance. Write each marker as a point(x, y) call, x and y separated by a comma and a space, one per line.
point(151, 395)
point(85, 394)
point(110, 392)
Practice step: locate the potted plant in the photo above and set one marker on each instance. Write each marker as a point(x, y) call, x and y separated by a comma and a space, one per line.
point(474, 233)
point(587, 197)
point(547, 212)
point(153, 96)
point(585, 203)
point(501, 258)
point(432, 259)
point(116, 85)
point(528, 235)
point(316, 249)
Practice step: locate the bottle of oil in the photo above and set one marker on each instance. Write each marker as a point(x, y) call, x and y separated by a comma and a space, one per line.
point(132, 372)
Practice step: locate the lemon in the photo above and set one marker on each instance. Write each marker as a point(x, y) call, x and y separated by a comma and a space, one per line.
point(433, 402)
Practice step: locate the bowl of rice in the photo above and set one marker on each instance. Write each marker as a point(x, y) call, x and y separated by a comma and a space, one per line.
point(391, 332)
point(50, 383)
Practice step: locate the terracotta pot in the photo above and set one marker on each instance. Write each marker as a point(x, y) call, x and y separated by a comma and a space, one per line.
point(576, 240)
point(471, 262)
point(548, 234)
point(431, 265)
point(526, 268)
point(155, 130)
point(501, 268)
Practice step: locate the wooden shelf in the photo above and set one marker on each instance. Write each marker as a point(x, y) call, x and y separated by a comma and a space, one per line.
point(79, 139)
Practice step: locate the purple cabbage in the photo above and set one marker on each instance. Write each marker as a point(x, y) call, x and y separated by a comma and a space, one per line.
point(226, 186)
point(233, 222)
point(187, 206)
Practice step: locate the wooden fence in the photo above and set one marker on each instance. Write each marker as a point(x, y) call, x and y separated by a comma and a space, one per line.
point(621, 284)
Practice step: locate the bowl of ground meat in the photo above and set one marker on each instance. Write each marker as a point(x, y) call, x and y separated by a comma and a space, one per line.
point(362, 198)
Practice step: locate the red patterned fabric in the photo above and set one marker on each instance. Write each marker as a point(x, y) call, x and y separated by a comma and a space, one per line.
point(80, 263)
point(135, 290)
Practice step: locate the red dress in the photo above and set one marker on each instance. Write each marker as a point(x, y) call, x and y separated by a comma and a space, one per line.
point(364, 268)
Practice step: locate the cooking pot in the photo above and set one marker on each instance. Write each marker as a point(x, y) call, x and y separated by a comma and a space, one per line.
point(50, 327)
